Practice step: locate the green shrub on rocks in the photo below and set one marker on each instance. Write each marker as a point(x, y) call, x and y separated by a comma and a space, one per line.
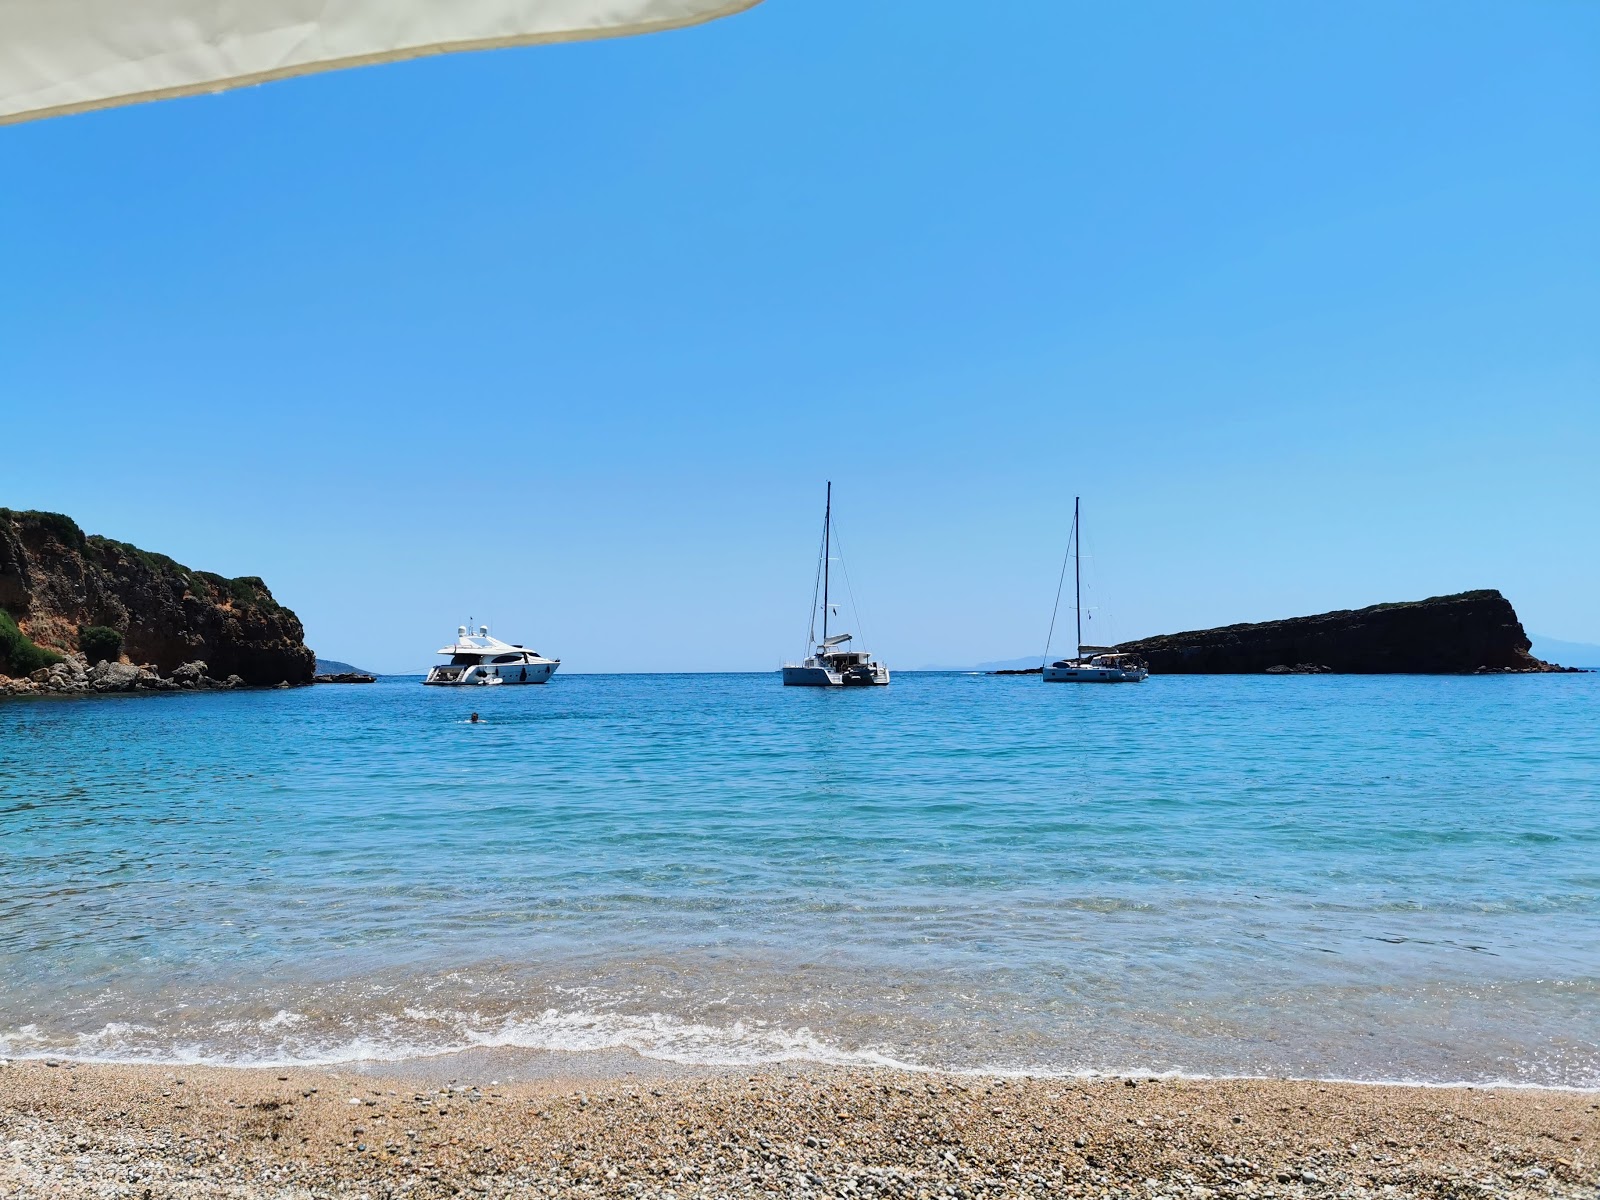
point(18, 655)
point(247, 591)
point(62, 527)
point(100, 642)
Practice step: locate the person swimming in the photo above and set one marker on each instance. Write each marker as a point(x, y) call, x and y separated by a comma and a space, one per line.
point(473, 719)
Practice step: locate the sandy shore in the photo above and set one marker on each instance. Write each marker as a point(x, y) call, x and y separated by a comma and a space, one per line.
point(72, 1130)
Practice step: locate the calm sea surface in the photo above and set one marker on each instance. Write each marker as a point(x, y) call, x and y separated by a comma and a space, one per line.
point(1377, 878)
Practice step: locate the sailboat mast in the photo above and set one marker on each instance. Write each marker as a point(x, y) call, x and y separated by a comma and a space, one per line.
point(827, 553)
point(1077, 572)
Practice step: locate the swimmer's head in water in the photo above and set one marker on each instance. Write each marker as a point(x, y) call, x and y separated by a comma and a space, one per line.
point(474, 718)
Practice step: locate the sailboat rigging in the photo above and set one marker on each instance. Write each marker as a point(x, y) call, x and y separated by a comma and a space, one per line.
point(1093, 664)
point(830, 662)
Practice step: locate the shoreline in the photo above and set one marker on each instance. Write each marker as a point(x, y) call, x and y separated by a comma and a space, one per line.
point(526, 1064)
point(433, 1128)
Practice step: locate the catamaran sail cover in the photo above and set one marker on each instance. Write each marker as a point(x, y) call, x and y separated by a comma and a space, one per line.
point(64, 56)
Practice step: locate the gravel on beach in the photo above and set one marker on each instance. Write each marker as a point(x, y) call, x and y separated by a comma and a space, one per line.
point(148, 1132)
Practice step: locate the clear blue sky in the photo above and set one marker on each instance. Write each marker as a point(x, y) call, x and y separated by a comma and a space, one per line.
point(1304, 299)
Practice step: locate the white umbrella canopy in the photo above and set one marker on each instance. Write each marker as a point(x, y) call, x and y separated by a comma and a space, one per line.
point(67, 56)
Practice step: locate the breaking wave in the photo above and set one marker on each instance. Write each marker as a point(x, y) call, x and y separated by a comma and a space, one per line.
point(288, 1039)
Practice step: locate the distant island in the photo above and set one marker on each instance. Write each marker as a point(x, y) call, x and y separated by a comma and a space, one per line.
point(332, 666)
point(1568, 654)
point(331, 670)
point(82, 614)
point(1464, 634)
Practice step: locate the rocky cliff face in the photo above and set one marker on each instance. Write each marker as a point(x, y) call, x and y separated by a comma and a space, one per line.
point(1445, 635)
point(55, 580)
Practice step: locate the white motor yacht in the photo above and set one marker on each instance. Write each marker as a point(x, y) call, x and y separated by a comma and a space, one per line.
point(476, 659)
point(831, 662)
point(1094, 664)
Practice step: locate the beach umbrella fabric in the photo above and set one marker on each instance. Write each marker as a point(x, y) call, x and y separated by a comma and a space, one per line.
point(66, 56)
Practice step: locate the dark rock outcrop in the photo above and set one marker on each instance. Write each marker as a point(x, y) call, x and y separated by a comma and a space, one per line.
point(345, 677)
point(191, 626)
point(73, 676)
point(1445, 635)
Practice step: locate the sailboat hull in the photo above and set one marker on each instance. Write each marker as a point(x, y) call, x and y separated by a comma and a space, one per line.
point(1077, 674)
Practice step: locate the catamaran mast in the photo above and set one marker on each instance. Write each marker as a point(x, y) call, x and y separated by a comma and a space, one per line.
point(1077, 572)
point(827, 531)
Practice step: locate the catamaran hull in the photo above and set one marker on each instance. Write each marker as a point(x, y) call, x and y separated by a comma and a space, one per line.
point(1093, 675)
point(811, 677)
point(821, 677)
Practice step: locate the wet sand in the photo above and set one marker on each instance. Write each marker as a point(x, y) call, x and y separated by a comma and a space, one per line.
point(72, 1130)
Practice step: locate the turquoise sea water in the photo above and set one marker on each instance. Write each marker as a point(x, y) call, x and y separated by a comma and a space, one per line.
point(1376, 878)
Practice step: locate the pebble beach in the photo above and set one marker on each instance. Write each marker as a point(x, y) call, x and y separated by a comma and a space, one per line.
point(94, 1130)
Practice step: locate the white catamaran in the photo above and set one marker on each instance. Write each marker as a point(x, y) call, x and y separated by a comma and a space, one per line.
point(1094, 664)
point(831, 662)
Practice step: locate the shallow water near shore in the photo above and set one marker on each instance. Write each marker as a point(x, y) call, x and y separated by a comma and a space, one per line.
point(1366, 878)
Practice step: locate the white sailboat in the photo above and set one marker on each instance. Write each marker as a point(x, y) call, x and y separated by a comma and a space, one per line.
point(831, 662)
point(1093, 664)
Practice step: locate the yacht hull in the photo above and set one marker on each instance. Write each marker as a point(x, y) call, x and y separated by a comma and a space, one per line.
point(512, 673)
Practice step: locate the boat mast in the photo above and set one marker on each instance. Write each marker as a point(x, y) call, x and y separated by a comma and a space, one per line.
point(827, 531)
point(1077, 572)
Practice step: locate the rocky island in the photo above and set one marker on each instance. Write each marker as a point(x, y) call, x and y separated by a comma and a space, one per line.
point(81, 613)
point(1464, 634)
point(330, 670)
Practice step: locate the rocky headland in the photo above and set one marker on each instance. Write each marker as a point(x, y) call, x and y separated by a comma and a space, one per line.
point(82, 614)
point(1464, 634)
